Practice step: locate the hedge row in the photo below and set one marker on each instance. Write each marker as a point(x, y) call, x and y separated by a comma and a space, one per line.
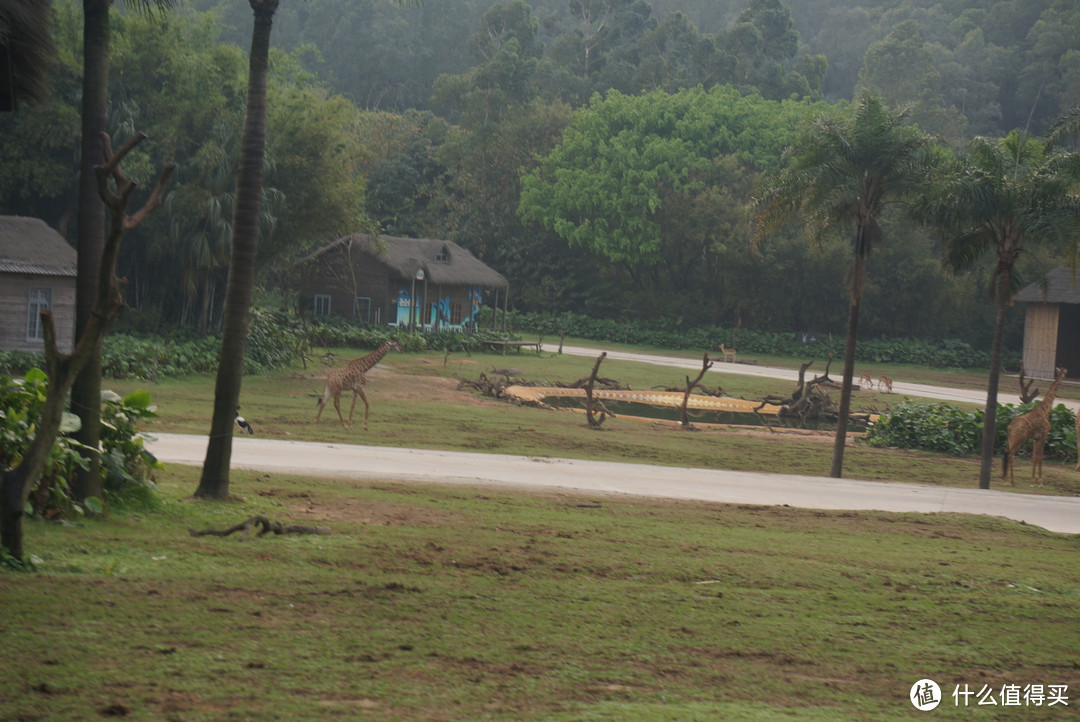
point(676, 334)
point(945, 428)
point(275, 340)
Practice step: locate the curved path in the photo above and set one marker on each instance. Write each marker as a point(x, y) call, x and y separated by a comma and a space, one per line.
point(1058, 514)
point(1055, 513)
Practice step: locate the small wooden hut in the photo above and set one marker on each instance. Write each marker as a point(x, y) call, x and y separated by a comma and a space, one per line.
point(408, 282)
point(1052, 324)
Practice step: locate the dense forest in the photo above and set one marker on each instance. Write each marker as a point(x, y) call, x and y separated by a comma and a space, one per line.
point(449, 119)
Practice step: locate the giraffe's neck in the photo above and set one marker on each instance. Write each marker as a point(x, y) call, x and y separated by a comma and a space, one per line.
point(366, 363)
point(1048, 400)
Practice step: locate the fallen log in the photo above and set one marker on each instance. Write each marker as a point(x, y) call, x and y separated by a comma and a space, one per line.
point(265, 525)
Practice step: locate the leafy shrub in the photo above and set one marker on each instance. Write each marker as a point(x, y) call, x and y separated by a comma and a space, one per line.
point(21, 403)
point(945, 428)
point(275, 339)
point(126, 466)
point(17, 363)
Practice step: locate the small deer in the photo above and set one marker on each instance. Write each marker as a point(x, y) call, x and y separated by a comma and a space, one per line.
point(884, 382)
point(865, 377)
point(728, 352)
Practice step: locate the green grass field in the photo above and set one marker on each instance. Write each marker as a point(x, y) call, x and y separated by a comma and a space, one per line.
point(451, 603)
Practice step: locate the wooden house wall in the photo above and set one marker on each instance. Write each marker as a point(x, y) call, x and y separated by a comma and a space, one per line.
point(377, 281)
point(331, 277)
point(1040, 340)
point(14, 297)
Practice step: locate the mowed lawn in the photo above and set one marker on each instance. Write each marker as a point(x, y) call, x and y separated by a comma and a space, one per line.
point(436, 603)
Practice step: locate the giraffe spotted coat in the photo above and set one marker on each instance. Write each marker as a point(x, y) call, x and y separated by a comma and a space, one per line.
point(353, 376)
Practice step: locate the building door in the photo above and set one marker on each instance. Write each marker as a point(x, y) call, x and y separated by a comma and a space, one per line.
point(1068, 339)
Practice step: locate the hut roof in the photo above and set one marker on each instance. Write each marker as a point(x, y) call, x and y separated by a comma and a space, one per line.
point(1059, 287)
point(443, 262)
point(29, 245)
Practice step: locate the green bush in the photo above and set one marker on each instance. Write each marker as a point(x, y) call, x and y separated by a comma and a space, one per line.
point(677, 334)
point(126, 466)
point(945, 428)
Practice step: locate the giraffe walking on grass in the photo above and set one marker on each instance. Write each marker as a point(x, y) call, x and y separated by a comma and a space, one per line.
point(353, 376)
point(1034, 425)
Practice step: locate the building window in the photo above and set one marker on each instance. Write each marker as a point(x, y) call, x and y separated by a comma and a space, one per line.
point(362, 307)
point(455, 314)
point(443, 256)
point(322, 304)
point(40, 300)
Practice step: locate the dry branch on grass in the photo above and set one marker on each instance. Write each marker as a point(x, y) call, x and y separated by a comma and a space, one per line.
point(1027, 395)
point(808, 402)
point(265, 526)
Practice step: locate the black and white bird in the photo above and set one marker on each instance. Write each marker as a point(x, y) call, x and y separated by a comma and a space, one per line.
point(242, 422)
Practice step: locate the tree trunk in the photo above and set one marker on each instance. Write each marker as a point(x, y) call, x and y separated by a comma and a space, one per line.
point(844, 411)
point(1001, 299)
point(214, 483)
point(204, 308)
point(16, 484)
point(86, 391)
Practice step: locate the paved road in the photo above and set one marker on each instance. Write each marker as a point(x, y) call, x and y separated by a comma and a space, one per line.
point(1059, 514)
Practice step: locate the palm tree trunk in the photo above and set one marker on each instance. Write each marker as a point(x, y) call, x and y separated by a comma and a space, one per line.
point(86, 392)
point(845, 389)
point(204, 307)
point(214, 483)
point(1001, 299)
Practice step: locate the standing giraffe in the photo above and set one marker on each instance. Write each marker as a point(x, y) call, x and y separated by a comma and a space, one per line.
point(353, 376)
point(1034, 425)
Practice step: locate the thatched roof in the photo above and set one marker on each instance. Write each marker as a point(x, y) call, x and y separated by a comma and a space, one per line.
point(29, 245)
point(1059, 287)
point(443, 262)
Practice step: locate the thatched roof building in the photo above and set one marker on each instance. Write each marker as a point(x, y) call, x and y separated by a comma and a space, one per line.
point(1052, 324)
point(387, 279)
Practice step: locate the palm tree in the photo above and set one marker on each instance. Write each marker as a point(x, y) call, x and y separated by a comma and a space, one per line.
point(26, 51)
point(1063, 129)
point(1002, 197)
point(214, 482)
point(842, 173)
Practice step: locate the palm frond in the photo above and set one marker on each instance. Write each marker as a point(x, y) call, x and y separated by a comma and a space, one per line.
point(1064, 128)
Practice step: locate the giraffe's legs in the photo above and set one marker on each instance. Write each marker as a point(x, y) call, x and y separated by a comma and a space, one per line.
point(337, 406)
point(359, 391)
point(322, 402)
point(1010, 458)
point(1036, 462)
point(367, 407)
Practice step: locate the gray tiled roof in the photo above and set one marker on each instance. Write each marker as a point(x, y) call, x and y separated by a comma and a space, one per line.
point(1060, 287)
point(29, 245)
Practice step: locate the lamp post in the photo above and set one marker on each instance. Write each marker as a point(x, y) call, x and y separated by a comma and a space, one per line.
point(418, 276)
